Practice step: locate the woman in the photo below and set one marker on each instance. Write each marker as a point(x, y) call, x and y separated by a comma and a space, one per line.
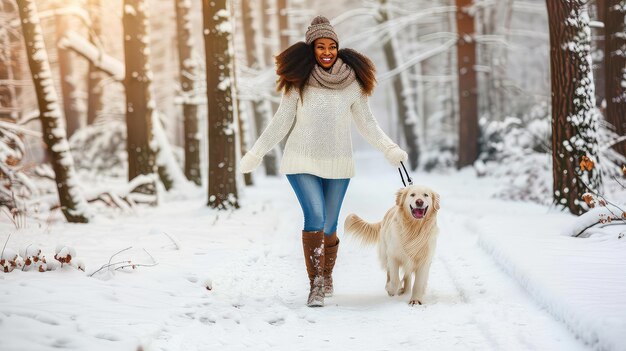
point(324, 89)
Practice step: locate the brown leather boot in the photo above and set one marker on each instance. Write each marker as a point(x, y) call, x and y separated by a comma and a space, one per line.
point(330, 253)
point(313, 244)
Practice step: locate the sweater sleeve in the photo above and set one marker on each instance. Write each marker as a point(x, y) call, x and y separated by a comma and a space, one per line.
point(279, 126)
point(368, 127)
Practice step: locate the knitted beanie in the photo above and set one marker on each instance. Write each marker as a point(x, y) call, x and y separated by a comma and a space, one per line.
point(320, 28)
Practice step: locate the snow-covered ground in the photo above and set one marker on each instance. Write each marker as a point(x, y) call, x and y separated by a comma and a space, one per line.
point(581, 282)
point(252, 261)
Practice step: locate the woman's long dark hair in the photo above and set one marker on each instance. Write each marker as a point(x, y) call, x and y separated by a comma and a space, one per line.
point(295, 64)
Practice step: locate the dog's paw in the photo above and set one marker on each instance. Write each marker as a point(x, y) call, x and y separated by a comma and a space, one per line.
point(391, 290)
point(415, 302)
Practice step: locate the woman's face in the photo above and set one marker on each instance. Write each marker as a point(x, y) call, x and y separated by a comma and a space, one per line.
point(325, 52)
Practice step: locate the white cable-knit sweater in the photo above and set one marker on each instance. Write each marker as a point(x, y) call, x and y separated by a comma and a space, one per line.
point(320, 142)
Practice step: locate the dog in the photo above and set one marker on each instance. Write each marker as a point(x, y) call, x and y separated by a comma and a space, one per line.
point(406, 237)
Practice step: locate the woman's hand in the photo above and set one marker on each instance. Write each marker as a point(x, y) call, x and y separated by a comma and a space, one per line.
point(395, 155)
point(249, 163)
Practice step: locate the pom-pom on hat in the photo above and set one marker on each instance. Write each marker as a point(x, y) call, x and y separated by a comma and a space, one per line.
point(320, 28)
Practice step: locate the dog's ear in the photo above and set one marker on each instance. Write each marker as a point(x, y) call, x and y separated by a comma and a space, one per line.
point(435, 196)
point(400, 196)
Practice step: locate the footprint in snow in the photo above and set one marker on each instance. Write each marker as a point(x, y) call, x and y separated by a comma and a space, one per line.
point(276, 321)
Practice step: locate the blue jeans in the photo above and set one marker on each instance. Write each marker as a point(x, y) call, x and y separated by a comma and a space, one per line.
point(320, 199)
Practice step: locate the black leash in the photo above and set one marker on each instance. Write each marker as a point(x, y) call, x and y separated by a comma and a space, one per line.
point(408, 177)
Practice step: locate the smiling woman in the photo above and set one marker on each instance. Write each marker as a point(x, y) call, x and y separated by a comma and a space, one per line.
point(324, 90)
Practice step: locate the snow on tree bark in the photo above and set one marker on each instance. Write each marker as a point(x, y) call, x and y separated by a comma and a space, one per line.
point(7, 91)
point(188, 71)
point(493, 19)
point(574, 118)
point(94, 77)
point(73, 204)
point(403, 103)
point(270, 46)
point(222, 188)
point(468, 92)
point(255, 60)
point(597, 53)
point(68, 85)
point(139, 102)
point(615, 66)
point(238, 108)
point(283, 23)
point(270, 43)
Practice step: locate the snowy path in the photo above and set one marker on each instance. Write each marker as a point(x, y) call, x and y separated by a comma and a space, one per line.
point(254, 261)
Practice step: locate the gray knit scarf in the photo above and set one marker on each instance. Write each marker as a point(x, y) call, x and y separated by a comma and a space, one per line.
point(340, 76)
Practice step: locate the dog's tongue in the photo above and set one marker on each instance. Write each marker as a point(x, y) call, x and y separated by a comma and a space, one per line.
point(419, 212)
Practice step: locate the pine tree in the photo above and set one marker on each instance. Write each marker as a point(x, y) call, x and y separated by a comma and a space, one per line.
point(73, 203)
point(139, 102)
point(188, 71)
point(468, 96)
point(270, 43)
point(7, 91)
point(94, 76)
point(223, 193)
point(615, 66)
point(283, 23)
point(238, 103)
point(68, 85)
point(260, 109)
point(574, 121)
point(597, 49)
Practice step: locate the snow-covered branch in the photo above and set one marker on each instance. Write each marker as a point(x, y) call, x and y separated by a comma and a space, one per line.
point(101, 60)
point(347, 15)
point(417, 58)
point(17, 128)
point(396, 24)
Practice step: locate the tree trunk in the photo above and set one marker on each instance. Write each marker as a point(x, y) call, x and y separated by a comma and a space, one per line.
point(502, 66)
point(615, 65)
point(188, 71)
point(268, 35)
point(68, 86)
point(223, 193)
point(255, 61)
point(7, 91)
point(73, 203)
point(402, 103)
point(238, 108)
point(597, 49)
point(574, 122)
point(485, 54)
point(468, 94)
point(94, 76)
point(139, 103)
point(270, 48)
point(283, 23)
point(452, 102)
point(243, 145)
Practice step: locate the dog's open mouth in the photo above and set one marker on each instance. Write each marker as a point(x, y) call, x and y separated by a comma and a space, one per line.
point(418, 213)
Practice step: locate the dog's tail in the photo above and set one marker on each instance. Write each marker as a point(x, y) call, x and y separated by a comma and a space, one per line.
point(368, 233)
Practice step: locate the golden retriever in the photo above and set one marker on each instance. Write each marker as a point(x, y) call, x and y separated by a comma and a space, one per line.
point(406, 239)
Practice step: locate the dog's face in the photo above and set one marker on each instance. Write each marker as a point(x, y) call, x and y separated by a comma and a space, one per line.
point(417, 201)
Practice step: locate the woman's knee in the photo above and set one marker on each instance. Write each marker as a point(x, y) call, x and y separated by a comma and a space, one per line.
point(314, 221)
point(330, 227)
